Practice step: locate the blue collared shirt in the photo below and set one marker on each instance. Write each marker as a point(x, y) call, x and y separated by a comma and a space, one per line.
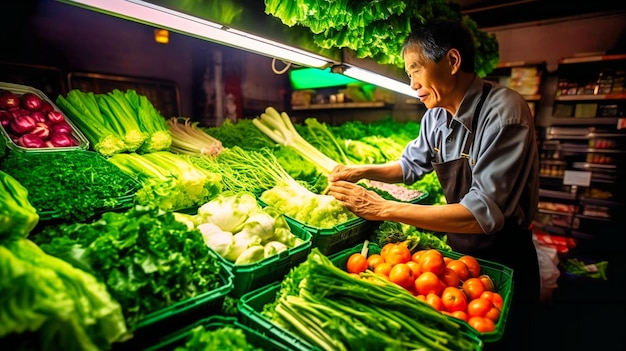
point(503, 156)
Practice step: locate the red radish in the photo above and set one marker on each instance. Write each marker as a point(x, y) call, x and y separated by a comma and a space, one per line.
point(8, 99)
point(61, 128)
point(30, 101)
point(22, 124)
point(41, 130)
point(46, 107)
point(62, 140)
point(38, 116)
point(55, 117)
point(30, 141)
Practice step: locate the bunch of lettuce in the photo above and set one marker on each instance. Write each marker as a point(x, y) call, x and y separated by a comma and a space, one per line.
point(147, 259)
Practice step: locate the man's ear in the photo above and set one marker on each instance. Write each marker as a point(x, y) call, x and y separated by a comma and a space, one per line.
point(454, 60)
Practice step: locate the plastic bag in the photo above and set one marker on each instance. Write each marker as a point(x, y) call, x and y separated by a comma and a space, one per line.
point(548, 270)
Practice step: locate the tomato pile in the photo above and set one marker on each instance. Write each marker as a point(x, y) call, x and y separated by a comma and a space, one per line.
point(455, 287)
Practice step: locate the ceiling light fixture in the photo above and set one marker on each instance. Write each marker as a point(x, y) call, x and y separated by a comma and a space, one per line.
point(380, 80)
point(157, 16)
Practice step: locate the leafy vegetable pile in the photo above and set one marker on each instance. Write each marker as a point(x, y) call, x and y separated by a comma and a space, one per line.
point(117, 121)
point(47, 304)
point(395, 232)
point(328, 308)
point(147, 259)
point(377, 29)
point(18, 217)
point(73, 185)
point(224, 338)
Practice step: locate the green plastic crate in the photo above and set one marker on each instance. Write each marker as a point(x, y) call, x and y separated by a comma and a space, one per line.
point(247, 277)
point(251, 305)
point(501, 275)
point(253, 337)
point(340, 237)
point(169, 319)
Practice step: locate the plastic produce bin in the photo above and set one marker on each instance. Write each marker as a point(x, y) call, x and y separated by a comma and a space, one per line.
point(81, 141)
point(168, 320)
point(501, 275)
point(253, 337)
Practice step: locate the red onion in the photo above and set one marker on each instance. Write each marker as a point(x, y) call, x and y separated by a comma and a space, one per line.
point(5, 116)
point(41, 130)
point(18, 111)
point(8, 99)
point(30, 141)
point(46, 107)
point(30, 101)
point(62, 140)
point(55, 117)
point(23, 124)
point(61, 128)
point(38, 116)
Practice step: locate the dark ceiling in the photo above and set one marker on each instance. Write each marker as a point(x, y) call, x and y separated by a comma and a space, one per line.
point(492, 13)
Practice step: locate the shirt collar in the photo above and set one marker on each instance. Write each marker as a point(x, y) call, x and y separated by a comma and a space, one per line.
point(465, 113)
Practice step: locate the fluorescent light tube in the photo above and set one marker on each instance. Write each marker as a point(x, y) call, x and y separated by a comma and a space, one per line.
point(175, 21)
point(379, 80)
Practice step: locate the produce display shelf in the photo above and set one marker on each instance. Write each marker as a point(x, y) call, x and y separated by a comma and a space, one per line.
point(81, 141)
point(501, 275)
point(253, 337)
point(169, 319)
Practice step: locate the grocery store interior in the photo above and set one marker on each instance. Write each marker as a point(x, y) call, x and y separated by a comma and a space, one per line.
point(568, 59)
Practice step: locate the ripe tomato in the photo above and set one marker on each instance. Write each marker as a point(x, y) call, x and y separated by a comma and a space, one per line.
point(357, 263)
point(472, 265)
point(493, 314)
point(487, 282)
point(457, 314)
point(494, 297)
point(385, 248)
point(416, 255)
point(373, 260)
point(402, 275)
point(473, 288)
point(435, 301)
point(421, 297)
point(460, 268)
point(398, 253)
point(427, 283)
point(450, 278)
point(415, 267)
point(454, 299)
point(479, 307)
point(383, 269)
point(432, 261)
point(447, 259)
point(481, 324)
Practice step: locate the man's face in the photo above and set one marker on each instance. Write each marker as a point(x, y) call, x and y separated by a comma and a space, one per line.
point(431, 80)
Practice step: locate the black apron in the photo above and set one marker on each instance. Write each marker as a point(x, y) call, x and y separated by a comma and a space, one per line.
point(512, 246)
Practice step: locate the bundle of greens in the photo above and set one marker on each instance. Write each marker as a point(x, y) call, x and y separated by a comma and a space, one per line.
point(72, 185)
point(18, 217)
point(169, 180)
point(331, 310)
point(47, 304)
point(117, 121)
point(396, 232)
point(226, 337)
point(147, 259)
point(376, 29)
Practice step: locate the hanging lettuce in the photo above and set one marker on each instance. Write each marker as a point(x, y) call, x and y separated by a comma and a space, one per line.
point(376, 29)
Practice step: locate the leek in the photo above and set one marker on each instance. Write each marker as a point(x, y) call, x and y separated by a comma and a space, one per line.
point(187, 138)
point(278, 127)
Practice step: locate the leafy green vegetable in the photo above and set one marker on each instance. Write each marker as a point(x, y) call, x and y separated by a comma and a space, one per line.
point(147, 259)
point(18, 217)
point(395, 232)
point(331, 310)
point(578, 267)
point(74, 185)
point(49, 305)
point(226, 337)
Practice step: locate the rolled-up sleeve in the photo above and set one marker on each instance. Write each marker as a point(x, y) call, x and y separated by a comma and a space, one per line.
point(418, 154)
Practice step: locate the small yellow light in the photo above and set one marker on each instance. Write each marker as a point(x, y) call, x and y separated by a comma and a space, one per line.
point(161, 36)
